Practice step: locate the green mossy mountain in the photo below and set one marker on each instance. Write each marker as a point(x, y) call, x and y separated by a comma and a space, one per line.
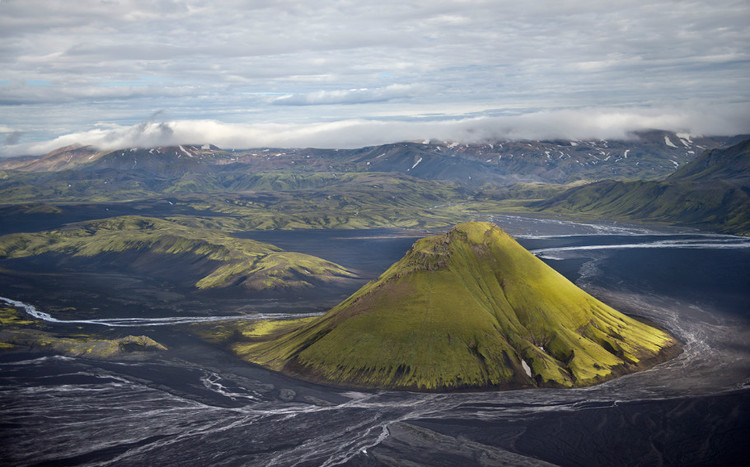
point(470, 309)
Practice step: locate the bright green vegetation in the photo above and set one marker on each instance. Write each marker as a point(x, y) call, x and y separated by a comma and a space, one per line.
point(711, 192)
point(463, 310)
point(236, 262)
point(230, 332)
point(19, 333)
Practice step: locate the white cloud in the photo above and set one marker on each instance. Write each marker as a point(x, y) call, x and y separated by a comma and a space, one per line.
point(572, 124)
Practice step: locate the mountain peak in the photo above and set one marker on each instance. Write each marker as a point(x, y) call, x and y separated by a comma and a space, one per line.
point(432, 253)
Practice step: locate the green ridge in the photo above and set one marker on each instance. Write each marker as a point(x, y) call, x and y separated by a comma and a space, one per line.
point(243, 262)
point(464, 310)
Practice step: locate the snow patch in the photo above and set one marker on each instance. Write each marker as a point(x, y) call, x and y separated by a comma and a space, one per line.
point(685, 136)
point(626, 153)
point(526, 368)
point(416, 163)
point(668, 142)
point(676, 164)
point(184, 151)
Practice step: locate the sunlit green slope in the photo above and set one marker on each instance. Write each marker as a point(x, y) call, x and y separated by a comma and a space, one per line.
point(468, 309)
point(226, 260)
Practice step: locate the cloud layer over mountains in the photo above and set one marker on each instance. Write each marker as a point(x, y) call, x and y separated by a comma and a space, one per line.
point(360, 133)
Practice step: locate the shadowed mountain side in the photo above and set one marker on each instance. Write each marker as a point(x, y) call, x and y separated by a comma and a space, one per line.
point(711, 192)
point(470, 309)
point(217, 259)
point(731, 165)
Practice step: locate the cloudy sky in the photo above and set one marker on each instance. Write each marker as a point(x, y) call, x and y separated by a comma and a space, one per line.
point(338, 73)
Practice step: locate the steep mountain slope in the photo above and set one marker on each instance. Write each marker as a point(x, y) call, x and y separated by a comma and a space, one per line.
point(465, 310)
point(712, 192)
point(214, 258)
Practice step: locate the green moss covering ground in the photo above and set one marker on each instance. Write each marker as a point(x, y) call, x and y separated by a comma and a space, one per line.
point(465, 310)
point(240, 262)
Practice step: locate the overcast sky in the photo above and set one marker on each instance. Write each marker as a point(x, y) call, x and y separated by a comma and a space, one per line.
point(343, 73)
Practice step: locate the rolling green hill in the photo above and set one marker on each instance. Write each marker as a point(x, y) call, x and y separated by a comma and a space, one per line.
point(225, 261)
point(469, 309)
point(711, 192)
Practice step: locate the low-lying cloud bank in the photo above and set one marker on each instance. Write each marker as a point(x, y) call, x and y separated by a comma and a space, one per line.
point(561, 124)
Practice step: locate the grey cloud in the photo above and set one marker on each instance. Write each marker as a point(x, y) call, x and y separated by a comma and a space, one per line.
point(349, 96)
point(13, 138)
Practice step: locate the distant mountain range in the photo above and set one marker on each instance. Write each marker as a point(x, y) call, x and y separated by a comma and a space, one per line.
point(712, 192)
point(654, 176)
point(647, 155)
